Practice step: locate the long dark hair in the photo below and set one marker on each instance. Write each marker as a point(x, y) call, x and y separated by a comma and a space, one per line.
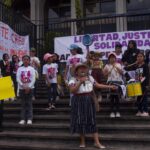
point(134, 44)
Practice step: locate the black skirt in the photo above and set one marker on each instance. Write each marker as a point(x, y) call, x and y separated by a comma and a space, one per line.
point(83, 114)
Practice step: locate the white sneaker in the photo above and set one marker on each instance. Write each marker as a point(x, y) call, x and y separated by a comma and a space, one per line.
point(57, 98)
point(33, 98)
point(144, 114)
point(112, 115)
point(29, 122)
point(138, 114)
point(53, 107)
point(118, 115)
point(22, 122)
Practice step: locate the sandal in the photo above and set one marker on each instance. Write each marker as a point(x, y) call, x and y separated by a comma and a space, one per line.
point(99, 146)
point(82, 146)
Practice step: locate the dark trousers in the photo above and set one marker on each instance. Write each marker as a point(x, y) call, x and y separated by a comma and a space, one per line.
point(26, 105)
point(142, 103)
point(15, 83)
point(115, 106)
point(1, 114)
point(52, 93)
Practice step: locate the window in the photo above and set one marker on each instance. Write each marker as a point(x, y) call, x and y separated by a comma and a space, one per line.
point(138, 5)
point(97, 7)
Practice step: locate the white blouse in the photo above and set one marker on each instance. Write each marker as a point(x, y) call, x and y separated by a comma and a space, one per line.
point(86, 87)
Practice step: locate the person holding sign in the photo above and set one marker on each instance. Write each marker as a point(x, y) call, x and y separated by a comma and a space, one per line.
point(26, 81)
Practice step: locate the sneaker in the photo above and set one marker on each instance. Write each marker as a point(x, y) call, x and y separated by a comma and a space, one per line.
point(144, 114)
point(22, 122)
point(57, 98)
point(33, 98)
point(112, 115)
point(29, 122)
point(118, 115)
point(53, 107)
point(138, 114)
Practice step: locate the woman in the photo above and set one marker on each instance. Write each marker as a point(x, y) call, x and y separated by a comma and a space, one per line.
point(83, 114)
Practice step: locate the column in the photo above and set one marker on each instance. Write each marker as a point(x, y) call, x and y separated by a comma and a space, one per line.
point(73, 16)
point(121, 22)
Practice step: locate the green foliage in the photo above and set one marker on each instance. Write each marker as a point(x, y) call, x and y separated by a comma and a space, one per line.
point(79, 14)
point(78, 9)
point(8, 3)
point(49, 41)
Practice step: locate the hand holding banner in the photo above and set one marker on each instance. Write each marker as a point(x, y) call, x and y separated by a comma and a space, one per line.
point(6, 88)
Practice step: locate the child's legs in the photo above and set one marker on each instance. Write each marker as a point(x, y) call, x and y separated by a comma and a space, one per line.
point(23, 104)
point(139, 103)
point(1, 113)
point(49, 94)
point(112, 100)
point(117, 103)
point(29, 114)
point(82, 139)
point(54, 92)
point(144, 103)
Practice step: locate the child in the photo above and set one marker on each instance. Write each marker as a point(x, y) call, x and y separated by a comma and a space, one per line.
point(83, 114)
point(114, 72)
point(15, 65)
point(50, 70)
point(142, 75)
point(26, 80)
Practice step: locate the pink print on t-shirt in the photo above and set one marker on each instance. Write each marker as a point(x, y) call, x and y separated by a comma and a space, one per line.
point(51, 72)
point(25, 76)
point(74, 61)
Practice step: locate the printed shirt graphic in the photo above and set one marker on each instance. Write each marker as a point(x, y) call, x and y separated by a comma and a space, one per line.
point(74, 60)
point(26, 77)
point(50, 70)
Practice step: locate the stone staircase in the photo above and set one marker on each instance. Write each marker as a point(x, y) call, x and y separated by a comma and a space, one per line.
point(50, 129)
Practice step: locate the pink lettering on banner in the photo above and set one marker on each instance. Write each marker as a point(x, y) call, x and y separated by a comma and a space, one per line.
point(19, 53)
point(17, 39)
point(4, 32)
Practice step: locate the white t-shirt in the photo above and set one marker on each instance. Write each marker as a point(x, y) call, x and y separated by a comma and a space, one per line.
point(34, 60)
point(86, 87)
point(74, 60)
point(26, 77)
point(114, 75)
point(50, 70)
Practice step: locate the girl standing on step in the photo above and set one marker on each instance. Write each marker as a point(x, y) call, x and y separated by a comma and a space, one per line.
point(50, 70)
point(142, 75)
point(83, 113)
point(114, 72)
point(26, 81)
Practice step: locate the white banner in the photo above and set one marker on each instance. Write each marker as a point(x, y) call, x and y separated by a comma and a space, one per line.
point(103, 42)
point(12, 43)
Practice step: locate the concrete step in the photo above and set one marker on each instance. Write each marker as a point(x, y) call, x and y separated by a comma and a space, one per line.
point(45, 137)
point(22, 145)
point(101, 119)
point(65, 127)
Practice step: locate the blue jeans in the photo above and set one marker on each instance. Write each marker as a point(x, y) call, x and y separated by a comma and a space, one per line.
point(26, 105)
point(52, 93)
point(142, 103)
